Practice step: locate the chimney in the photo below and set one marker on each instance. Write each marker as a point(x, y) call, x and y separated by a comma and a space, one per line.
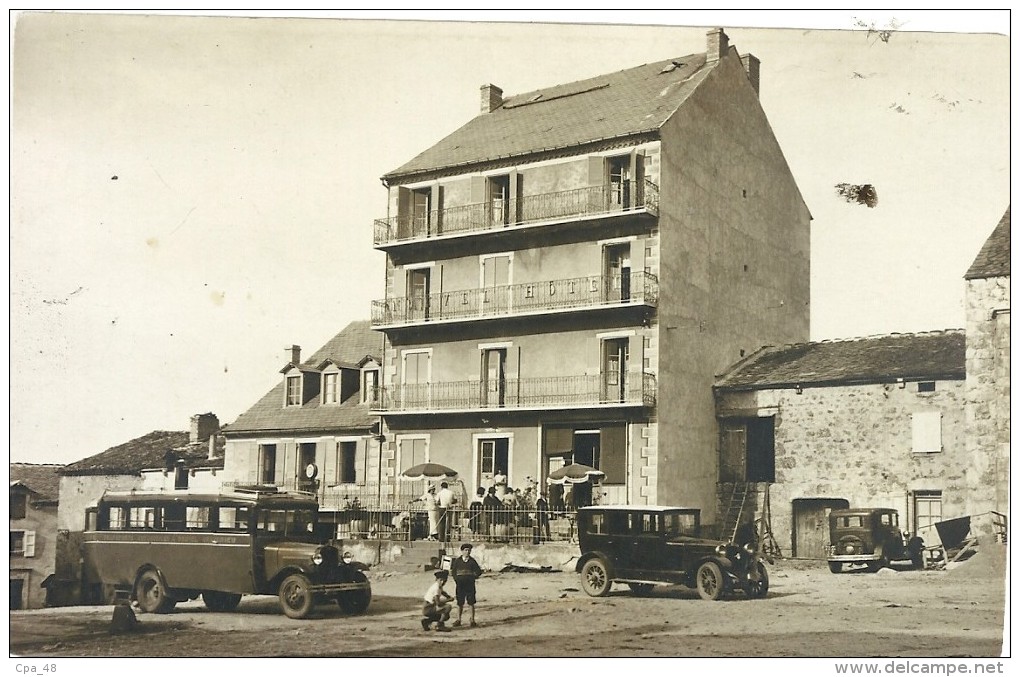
point(718, 43)
point(295, 354)
point(212, 447)
point(203, 426)
point(492, 98)
point(752, 67)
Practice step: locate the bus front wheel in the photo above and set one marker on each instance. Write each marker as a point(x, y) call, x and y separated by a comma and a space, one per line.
point(295, 596)
point(152, 593)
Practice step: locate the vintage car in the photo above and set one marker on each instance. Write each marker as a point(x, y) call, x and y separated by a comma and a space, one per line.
point(161, 548)
point(870, 537)
point(643, 545)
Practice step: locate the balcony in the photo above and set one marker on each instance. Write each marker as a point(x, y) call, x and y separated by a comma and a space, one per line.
point(528, 298)
point(628, 197)
point(543, 393)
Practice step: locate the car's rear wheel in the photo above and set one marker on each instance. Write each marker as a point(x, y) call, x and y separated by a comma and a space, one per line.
point(641, 589)
point(759, 588)
point(295, 596)
point(835, 567)
point(220, 601)
point(595, 578)
point(152, 593)
point(355, 601)
point(710, 583)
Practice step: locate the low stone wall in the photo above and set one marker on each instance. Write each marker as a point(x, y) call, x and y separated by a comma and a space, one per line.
point(491, 556)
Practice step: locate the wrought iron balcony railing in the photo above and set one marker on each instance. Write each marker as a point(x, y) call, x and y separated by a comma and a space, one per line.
point(519, 299)
point(548, 392)
point(529, 209)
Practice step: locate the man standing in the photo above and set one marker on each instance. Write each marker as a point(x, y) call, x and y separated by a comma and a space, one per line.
point(465, 572)
point(445, 499)
point(432, 509)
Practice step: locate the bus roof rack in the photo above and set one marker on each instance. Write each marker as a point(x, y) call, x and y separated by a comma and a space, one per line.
point(256, 489)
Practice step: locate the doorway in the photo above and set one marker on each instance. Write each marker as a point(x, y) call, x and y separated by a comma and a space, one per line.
point(17, 592)
point(811, 525)
point(617, 272)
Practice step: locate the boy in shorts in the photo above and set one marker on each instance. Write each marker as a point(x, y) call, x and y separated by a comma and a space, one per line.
point(465, 571)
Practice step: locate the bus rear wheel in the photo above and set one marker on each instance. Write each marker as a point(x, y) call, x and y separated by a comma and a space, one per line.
point(220, 601)
point(152, 593)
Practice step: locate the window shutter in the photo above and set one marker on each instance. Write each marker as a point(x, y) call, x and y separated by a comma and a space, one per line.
point(926, 428)
point(29, 544)
point(404, 215)
point(478, 184)
point(596, 171)
point(361, 461)
point(613, 461)
point(559, 441)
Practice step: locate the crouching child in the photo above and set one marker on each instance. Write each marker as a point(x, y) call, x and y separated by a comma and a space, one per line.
point(437, 604)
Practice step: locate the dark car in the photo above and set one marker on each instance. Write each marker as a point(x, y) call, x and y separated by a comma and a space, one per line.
point(870, 537)
point(647, 545)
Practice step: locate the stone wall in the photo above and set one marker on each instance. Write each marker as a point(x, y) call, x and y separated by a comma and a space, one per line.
point(855, 442)
point(988, 393)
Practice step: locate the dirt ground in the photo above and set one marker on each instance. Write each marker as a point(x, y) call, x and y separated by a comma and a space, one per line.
point(808, 612)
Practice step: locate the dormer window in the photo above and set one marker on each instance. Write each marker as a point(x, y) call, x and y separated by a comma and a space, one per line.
point(331, 387)
point(293, 397)
point(370, 385)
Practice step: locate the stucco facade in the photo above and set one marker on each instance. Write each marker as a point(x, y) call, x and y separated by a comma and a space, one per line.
point(33, 533)
point(562, 286)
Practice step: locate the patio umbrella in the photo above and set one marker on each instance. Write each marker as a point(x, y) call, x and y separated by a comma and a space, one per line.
point(429, 471)
point(575, 473)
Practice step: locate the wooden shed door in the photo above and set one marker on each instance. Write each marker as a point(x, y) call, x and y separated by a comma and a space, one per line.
point(811, 525)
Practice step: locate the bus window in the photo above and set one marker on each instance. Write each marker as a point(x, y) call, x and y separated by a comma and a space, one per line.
point(197, 518)
point(140, 518)
point(173, 518)
point(118, 518)
point(233, 519)
point(285, 522)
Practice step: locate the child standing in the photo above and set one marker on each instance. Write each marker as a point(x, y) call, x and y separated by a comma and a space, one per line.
point(465, 571)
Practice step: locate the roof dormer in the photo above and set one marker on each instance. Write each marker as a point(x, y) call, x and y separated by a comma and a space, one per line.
point(300, 384)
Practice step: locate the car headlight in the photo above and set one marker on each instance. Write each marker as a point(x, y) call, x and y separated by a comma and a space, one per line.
point(317, 558)
point(748, 548)
point(720, 550)
point(347, 558)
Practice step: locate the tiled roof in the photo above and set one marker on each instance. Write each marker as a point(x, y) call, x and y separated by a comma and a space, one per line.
point(148, 451)
point(874, 359)
point(993, 259)
point(617, 105)
point(42, 478)
point(350, 346)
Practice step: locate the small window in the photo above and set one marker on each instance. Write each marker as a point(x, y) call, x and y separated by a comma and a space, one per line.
point(118, 518)
point(330, 393)
point(141, 518)
point(346, 465)
point(597, 524)
point(926, 386)
point(17, 543)
point(293, 391)
point(886, 519)
point(197, 518)
point(233, 519)
point(370, 385)
point(19, 503)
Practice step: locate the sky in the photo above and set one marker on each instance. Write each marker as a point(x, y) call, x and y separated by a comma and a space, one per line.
point(191, 195)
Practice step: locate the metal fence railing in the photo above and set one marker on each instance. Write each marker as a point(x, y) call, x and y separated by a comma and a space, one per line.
point(514, 299)
point(497, 526)
point(617, 197)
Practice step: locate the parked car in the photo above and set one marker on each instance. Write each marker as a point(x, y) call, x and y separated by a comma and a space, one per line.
point(647, 545)
point(872, 537)
point(161, 548)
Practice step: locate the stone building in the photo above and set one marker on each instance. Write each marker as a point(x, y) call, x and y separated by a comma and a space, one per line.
point(33, 532)
point(868, 422)
point(567, 272)
point(987, 301)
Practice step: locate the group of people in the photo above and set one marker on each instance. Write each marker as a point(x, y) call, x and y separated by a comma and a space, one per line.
point(438, 505)
point(465, 570)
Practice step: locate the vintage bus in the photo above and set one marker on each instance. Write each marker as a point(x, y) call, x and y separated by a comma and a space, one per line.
point(167, 547)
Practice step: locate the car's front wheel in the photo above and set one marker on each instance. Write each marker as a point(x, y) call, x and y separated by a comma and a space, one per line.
point(295, 596)
point(758, 588)
point(595, 578)
point(835, 567)
point(710, 583)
